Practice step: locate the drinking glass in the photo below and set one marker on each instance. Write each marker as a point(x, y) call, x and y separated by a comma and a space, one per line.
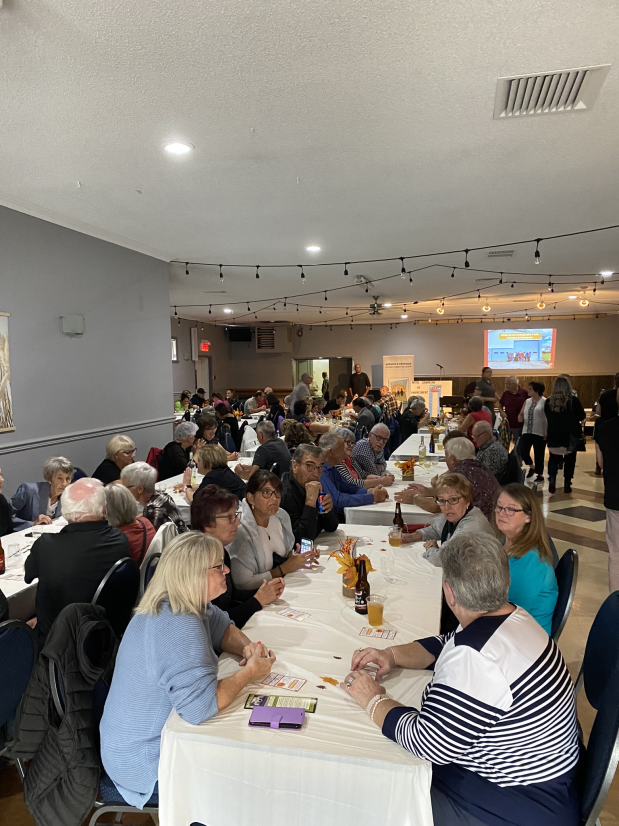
point(395, 537)
point(387, 565)
point(376, 605)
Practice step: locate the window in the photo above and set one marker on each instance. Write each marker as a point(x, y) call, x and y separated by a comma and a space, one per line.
point(175, 349)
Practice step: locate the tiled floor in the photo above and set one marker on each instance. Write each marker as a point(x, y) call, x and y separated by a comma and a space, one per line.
point(574, 520)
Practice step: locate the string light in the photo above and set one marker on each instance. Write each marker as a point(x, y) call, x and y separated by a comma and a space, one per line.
point(221, 274)
point(346, 310)
point(537, 255)
point(187, 268)
point(285, 300)
point(257, 273)
point(540, 303)
point(302, 273)
point(466, 258)
point(486, 308)
point(478, 295)
point(501, 279)
point(453, 273)
point(367, 288)
point(345, 268)
point(403, 270)
point(209, 309)
point(325, 295)
point(513, 285)
point(410, 278)
point(297, 308)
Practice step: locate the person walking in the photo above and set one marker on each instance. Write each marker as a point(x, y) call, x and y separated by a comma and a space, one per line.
point(564, 414)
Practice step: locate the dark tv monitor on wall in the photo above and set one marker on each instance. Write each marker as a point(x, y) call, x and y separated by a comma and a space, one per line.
point(239, 333)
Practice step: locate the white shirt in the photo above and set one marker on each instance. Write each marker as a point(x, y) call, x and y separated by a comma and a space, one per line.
point(51, 509)
point(535, 421)
point(271, 541)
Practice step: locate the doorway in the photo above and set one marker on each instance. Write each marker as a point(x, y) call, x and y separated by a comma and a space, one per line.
point(338, 370)
point(203, 374)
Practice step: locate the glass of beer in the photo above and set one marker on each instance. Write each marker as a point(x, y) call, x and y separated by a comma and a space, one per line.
point(395, 537)
point(376, 605)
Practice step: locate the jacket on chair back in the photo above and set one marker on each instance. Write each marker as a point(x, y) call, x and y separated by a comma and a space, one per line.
point(62, 782)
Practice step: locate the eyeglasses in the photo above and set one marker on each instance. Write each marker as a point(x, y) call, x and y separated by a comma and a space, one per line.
point(453, 500)
point(217, 567)
point(127, 452)
point(311, 466)
point(231, 517)
point(379, 438)
point(267, 493)
point(507, 511)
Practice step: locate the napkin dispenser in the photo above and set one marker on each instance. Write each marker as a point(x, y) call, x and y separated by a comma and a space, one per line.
point(277, 717)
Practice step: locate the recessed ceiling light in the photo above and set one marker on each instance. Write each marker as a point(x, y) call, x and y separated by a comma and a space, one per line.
point(606, 273)
point(227, 310)
point(387, 305)
point(178, 148)
point(573, 296)
point(313, 248)
point(404, 315)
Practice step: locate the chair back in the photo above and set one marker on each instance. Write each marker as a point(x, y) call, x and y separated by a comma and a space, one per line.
point(553, 551)
point(567, 577)
point(275, 469)
point(118, 593)
point(601, 658)
point(165, 533)
point(78, 473)
point(512, 469)
point(18, 654)
point(153, 458)
point(147, 569)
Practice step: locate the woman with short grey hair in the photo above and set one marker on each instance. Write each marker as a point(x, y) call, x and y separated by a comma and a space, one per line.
point(175, 456)
point(119, 452)
point(37, 503)
point(159, 507)
point(122, 513)
point(498, 719)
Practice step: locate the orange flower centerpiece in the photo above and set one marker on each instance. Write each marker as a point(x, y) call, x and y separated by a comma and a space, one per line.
point(408, 469)
point(348, 565)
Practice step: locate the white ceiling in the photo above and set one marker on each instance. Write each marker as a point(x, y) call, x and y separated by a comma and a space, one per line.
point(363, 127)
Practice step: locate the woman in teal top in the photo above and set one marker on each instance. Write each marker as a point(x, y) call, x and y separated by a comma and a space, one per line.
point(519, 522)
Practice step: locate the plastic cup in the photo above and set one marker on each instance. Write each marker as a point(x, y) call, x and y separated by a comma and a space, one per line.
point(395, 537)
point(376, 605)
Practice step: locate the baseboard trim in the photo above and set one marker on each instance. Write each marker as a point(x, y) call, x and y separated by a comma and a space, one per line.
point(81, 435)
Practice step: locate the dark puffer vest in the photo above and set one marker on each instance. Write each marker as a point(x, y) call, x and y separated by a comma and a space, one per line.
point(62, 781)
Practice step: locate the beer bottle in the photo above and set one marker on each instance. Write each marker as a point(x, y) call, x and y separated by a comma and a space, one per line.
point(398, 520)
point(2, 562)
point(362, 588)
point(432, 445)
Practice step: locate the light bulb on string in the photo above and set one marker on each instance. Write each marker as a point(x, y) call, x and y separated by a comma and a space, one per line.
point(486, 308)
point(440, 309)
point(478, 295)
point(595, 289)
point(345, 267)
point(302, 273)
point(537, 255)
point(221, 274)
point(540, 303)
point(325, 295)
point(346, 310)
point(297, 308)
point(410, 278)
point(209, 309)
point(257, 273)
point(513, 282)
point(285, 300)
point(453, 273)
point(187, 268)
point(584, 302)
point(403, 269)
point(175, 313)
point(466, 259)
point(248, 308)
point(367, 288)
point(501, 279)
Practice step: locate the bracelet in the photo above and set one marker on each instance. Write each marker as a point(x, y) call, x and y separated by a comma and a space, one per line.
point(376, 704)
point(279, 567)
point(372, 703)
point(390, 650)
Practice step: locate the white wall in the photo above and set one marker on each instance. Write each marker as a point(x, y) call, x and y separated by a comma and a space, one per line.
point(68, 392)
point(587, 347)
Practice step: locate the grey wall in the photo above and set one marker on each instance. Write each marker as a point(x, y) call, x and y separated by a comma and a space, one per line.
point(117, 376)
point(584, 347)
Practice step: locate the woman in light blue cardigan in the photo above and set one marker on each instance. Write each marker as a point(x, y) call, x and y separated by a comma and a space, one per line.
point(168, 661)
point(519, 522)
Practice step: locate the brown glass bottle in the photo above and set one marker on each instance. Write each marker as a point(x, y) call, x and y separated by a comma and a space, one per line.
point(362, 588)
point(398, 519)
point(2, 562)
point(432, 445)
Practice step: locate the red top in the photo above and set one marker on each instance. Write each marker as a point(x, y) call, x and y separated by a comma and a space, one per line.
point(512, 404)
point(140, 534)
point(351, 469)
point(479, 416)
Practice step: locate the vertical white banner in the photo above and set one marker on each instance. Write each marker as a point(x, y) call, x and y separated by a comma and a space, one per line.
point(398, 375)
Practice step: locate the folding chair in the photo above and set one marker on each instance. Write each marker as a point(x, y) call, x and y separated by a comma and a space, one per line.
point(118, 593)
point(18, 654)
point(147, 569)
point(567, 577)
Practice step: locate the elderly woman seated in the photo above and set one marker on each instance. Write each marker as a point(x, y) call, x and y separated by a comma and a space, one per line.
point(140, 478)
point(37, 503)
point(122, 513)
point(168, 660)
point(212, 462)
point(264, 547)
point(498, 719)
point(119, 452)
point(519, 523)
point(454, 496)
point(215, 512)
point(175, 456)
point(350, 472)
point(295, 434)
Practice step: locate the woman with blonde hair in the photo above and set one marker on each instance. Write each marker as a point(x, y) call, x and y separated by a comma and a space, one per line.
point(212, 462)
point(168, 660)
point(564, 414)
point(519, 523)
point(119, 452)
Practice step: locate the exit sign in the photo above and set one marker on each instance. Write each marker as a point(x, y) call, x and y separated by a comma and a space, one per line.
point(204, 346)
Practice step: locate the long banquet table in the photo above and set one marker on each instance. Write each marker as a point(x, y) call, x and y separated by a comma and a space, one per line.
point(339, 769)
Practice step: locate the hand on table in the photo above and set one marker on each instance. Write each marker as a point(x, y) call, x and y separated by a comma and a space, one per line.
point(361, 688)
point(250, 650)
point(379, 494)
point(43, 519)
point(365, 656)
point(296, 561)
point(420, 489)
point(430, 543)
point(232, 457)
point(387, 479)
point(406, 497)
point(260, 662)
point(408, 538)
point(270, 591)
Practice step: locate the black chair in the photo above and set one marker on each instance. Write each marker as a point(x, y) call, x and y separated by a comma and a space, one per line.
point(118, 593)
point(567, 577)
point(18, 654)
point(147, 569)
point(512, 472)
point(599, 674)
point(275, 469)
point(553, 551)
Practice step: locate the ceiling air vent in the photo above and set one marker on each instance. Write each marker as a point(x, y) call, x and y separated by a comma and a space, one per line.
point(549, 92)
point(501, 254)
point(265, 338)
point(276, 339)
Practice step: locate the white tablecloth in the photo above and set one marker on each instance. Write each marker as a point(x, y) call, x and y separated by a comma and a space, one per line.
point(339, 769)
point(21, 596)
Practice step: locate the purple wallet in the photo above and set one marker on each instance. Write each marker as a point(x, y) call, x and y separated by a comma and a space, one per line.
point(277, 717)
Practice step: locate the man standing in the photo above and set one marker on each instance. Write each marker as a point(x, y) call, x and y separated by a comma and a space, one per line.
point(325, 387)
point(301, 390)
point(368, 455)
point(511, 403)
point(608, 444)
point(71, 564)
point(359, 383)
point(300, 490)
point(490, 453)
point(486, 388)
point(388, 402)
point(343, 494)
point(272, 451)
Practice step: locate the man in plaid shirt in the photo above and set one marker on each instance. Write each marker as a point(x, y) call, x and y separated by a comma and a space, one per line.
point(368, 456)
point(388, 402)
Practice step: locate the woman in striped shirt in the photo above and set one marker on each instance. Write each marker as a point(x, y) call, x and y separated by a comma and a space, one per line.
point(347, 467)
point(498, 719)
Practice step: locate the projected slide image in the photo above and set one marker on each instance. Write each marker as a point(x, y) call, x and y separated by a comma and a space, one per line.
point(530, 349)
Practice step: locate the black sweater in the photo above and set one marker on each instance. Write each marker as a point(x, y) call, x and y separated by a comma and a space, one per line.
point(223, 477)
point(307, 523)
point(6, 517)
point(564, 424)
point(174, 460)
point(239, 605)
